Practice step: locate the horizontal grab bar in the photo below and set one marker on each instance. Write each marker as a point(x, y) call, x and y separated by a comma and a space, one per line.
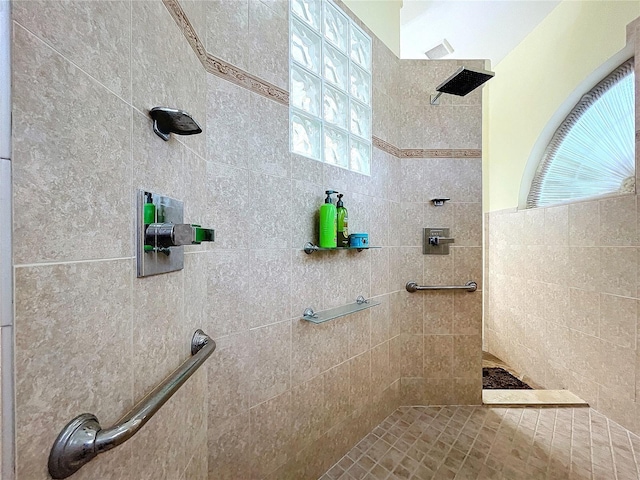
point(83, 438)
point(469, 287)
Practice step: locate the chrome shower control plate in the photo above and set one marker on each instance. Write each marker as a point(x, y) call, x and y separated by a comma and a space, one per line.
point(159, 258)
point(436, 241)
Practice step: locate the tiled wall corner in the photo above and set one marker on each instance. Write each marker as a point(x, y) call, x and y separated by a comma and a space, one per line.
point(574, 325)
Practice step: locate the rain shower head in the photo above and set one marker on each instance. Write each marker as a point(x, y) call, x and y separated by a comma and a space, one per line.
point(462, 82)
point(169, 120)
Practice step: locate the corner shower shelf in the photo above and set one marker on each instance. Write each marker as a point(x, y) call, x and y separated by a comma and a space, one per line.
point(309, 248)
point(320, 317)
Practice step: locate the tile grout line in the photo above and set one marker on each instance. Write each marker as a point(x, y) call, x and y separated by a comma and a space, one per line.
point(517, 429)
point(466, 455)
point(553, 433)
point(613, 458)
point(633, 452)
point(72, 262)
point(591, 444)
point(573, 412)
point(553, 436)
point(131, 186)
point(71, 62)
point(475, 440)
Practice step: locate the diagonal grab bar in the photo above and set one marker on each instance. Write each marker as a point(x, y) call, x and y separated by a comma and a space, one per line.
point(469, 287)
point(83, 438)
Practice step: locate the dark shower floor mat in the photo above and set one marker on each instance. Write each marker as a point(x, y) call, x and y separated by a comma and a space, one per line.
point(498, 378)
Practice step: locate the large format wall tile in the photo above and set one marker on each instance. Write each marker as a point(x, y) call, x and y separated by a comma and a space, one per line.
point(438, 313)
point(312, 347)
point(308, 413)
point(268, 227)
point(229, 380)
point(454, 178)
point(268, 41)
point(584, 222)
point(268, 146)
point(229, 449)
point(272, 356)
point(228, 198)
point(618, 221)
point(381, 321)
point(446, 127)
point(271, 437)
point(405, 224)
point(166, 73)
point(157, 449)
point(158, 165)
point(307, 198)
point(74, 178)
point(467, 230)
point(270, 286)
point(158, 311)
point(78, 318)
point(227, 32)
point(97, 40)
point(618, 270)
point(227, 114)
point(343, 285)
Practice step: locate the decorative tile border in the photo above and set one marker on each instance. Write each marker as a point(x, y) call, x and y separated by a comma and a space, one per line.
point(440, 153)
point(244, 79)
point(425, 153)
point(217, 66)
point(386, 147)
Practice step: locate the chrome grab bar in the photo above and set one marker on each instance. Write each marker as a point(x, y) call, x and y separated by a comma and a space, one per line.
point(469, 287)
point(83, 438)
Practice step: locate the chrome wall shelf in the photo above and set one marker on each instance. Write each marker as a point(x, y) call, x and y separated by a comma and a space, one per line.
point(309, 248)
point(320, 317)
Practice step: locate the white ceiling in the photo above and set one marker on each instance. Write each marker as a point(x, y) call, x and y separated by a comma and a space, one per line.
point(476, 29)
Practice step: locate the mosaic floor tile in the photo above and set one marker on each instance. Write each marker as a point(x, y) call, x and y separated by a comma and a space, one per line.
point(482, 443)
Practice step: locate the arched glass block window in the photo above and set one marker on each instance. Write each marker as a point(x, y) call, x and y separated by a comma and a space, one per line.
point(592, 153)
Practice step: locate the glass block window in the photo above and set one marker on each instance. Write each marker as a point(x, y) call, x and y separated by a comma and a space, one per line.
point(330, 86)
point(593, 151)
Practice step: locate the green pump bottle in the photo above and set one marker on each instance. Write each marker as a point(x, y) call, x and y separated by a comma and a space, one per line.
point(343, 223)
point(328, 223)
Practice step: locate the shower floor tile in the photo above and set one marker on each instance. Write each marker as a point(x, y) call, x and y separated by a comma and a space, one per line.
point(479, 443)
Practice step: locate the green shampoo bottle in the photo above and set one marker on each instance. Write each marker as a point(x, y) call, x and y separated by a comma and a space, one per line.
point(343, 223)
point(328, 223)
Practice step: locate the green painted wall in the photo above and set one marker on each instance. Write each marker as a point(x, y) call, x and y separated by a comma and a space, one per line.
point(568, 47)
point(382, 17)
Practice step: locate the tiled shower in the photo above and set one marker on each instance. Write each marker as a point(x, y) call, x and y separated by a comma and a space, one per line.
point(247, 290)
point(279, 398)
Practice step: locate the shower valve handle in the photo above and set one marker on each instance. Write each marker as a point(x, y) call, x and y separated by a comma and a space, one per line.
point(440, 240)
point(164, 235)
